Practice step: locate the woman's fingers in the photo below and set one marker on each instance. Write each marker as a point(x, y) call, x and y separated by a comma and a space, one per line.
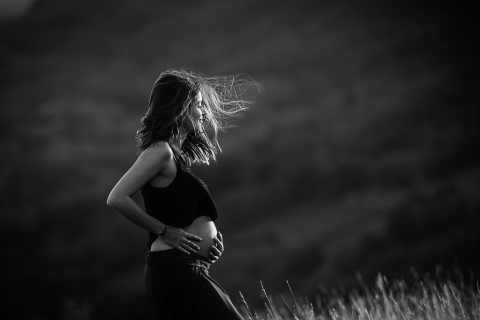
point(213, 258)
point(192, 237)
point(219, 244)
point(219, 236)
point(215, 251)
point(183, 250)
point(192, 245)
point(213, 255)
point(187, 247)
point(180, 241)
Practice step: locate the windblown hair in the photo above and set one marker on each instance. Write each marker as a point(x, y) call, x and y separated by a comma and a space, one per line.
point(173, 93)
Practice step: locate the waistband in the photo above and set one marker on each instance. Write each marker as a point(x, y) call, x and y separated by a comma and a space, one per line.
point(174, 259)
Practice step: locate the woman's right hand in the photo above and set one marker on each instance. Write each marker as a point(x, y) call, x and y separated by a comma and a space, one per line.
point(181, 240)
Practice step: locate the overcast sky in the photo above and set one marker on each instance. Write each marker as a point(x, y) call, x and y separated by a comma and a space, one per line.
point(14, 8)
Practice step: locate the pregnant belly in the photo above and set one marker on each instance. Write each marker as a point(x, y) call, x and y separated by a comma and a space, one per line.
point(202, 227)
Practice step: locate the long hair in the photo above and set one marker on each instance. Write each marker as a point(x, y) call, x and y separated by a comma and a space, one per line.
point(173, 93)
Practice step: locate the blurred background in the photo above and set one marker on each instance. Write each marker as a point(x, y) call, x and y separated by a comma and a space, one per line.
point(360, 156)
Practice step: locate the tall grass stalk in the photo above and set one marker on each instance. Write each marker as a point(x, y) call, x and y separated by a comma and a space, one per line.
point(426, 299)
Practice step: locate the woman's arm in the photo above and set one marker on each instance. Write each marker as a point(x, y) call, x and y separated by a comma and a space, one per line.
point(150, 163)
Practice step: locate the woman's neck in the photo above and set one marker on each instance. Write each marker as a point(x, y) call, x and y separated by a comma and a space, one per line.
point(177, 141)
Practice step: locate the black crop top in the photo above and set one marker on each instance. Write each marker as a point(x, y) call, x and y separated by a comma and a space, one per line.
point(181, 202)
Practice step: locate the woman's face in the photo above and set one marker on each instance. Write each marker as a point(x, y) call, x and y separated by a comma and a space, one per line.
point(196, 114)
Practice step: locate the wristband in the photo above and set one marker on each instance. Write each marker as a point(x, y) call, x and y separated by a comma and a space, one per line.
point(164, 230)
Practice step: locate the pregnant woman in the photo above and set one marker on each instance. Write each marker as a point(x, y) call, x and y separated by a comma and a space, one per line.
point(179, 211)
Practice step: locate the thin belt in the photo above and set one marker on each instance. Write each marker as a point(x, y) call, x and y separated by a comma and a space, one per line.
point(174, 259)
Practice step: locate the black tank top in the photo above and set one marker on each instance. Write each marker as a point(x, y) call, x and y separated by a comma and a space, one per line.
point(181, 202)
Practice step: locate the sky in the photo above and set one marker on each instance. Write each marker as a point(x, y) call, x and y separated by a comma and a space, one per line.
point(14, 8)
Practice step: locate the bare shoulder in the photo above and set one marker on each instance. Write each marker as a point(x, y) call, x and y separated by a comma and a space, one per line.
point(152, 161)
point(158, 154)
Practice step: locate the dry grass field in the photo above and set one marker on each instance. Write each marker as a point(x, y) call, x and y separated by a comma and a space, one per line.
point(426, 299)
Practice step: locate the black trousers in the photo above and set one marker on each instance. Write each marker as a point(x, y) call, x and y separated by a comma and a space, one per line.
point(180, 288)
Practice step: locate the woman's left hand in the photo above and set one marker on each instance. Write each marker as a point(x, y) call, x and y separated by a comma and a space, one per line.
point(216, 249)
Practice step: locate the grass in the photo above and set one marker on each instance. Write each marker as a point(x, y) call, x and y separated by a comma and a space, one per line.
point(427, 298)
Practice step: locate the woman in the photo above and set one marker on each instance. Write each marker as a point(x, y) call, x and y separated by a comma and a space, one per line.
point(179, 211)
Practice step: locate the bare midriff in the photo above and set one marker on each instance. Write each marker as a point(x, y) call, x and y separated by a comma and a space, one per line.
point(203, 227)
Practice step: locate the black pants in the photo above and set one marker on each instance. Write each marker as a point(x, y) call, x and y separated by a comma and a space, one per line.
point(180, 288)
